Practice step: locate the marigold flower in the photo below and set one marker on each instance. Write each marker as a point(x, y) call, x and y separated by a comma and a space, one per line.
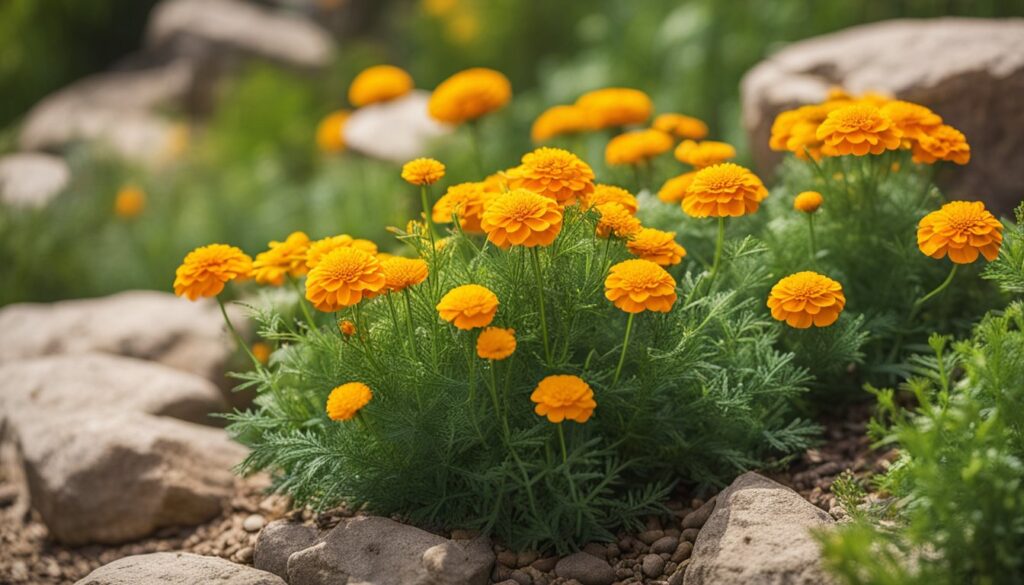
point(961, 229)
point(807, 298)
point(261, 351)
point(559, 121)
point(379, 83)
point(681, 126)
point(495, 343)
point(616, 106)
point(564, 397)
point(858, 129)
point(330, 135)
point(468, 95)
point(637, 146)
point(675, 188)
point(129, 202)
point(911, 119)
point(465, 201)
point(616, 220)
point(942, 143)
point(612, 194)
point(657, 246)
point(522, 218)
point(725, 190)
point(344, 277)
point(704, 154)
point(808, 201)
point(320, 248)
point(555, 173)
point(347, 328)
point(205, 270)
point(347, 400)
point(423, 171)
point(287, 257)
point(468, 306)
point(640, 285)
point(796, 130)
point(401, 273)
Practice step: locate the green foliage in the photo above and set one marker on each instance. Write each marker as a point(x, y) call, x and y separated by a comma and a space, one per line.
point(1008, 269)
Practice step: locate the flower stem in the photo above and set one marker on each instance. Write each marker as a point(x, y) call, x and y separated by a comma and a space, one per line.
point(625, 344)
point(238, 338)
point(535, 256)
point(302, 303)
point(814, 247)
point(474, 134)
point(561, 441)
point(719, 244)
point(921, 301)
point(408, 322)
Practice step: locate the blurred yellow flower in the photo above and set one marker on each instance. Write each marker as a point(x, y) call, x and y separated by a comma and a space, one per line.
point(347, 400)
point(287, 257)
point(320, 248)
point(857, 129)
point(637, 146)
point(205, 270)
point(681, 126)
point(675, 188)
point(912, 120)
point(495, 343)
point(616, 106)
point(423, 171)
point(261, 351)
point(657, 246)
point(330, 135)
point(704, 154)
point(555, 173)
point(612, 194)
point(347, 328)
point(808, 201)
point(465, 201)
point(129, 202)
point(725, 190)
point(942, 143)
point(379, 83)
point(616, 220)
point(559, 121)
point(796, 130)
point(468, 95)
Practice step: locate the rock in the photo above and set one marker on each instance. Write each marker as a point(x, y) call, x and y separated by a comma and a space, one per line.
point(665, 544)
point(585, 568)
point(690, 534)
point(545, 565)
point(378, 551)
point(653, 565)
point(969, 71)
point(698, 517)
point(32, 179)
point(648, 537)
point(682, 552)
point(522, 578)
point(177, 568)
point(253, 523)
point(759, 534)
point(277, 541)
point(119, 477)
point(397, 131)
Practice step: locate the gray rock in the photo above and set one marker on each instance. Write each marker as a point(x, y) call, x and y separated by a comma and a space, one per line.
point(665, 544)
point(32, 179)
point(698, 517)
point(969, 71)
point(397, 131)
point(759, 534)
point(653, 565)
point(177, 568)
point(277, 541)
point(682, 552)
point(585, 568)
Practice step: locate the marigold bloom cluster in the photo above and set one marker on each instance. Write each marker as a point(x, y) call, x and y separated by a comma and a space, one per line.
point(129, 202)
point(808, 201)
point(559, 121)
point(283, 258)
point(330, 135)
point(797, 130)
point(320, 248)
point(555, 173)
point(612, 194)
point(423, 171)
point(681, 126)
point(640, 285)
point(616, 106)
point(675, 188)
point(522, 218)
point(725, 190)
point(347, 400)
point(616, 220)
point(344, 277)
point(636, 146)
point(468, 95)
point(379, 83)
point(469, 306)
point(858, 129)
point(466, 201)
point(942, 143)
point(205, 270)
point(657, 246)
point(401, 273)
point(495, 343)
point(962, 230)
point(564, 397)
point(807, 298)
point(912, 120)
point(704, 154)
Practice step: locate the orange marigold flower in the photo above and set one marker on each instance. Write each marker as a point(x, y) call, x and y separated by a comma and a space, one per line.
point(522, 218)
point(725, 190)
point(205, 270)
point(330, 135)
point(681, 126)
point(612, 194)
point(911, 119)
point(559, 121)
point(401, 273)
point(564, 397)
point(616, 220)
point(657, 246)
point(807, 298)
point(640, 285)
point(637, 146)
point(347, 400)
point(469, 94)
point(796, 130)
point(704, 154)
point(468, 306)
point(616, 106)
point(808, 201)
point(675, 188)
point(129, 202)
point(942, 143)
point(347, 328)
point(320, 248)
point(495, 343)
point(555, 173)
point(859, 129)
point(379, 83)
point(261, 351)
point(287, 257)
point(344, 277)
point(423, 171)
point(465, 201)
point(961, 229)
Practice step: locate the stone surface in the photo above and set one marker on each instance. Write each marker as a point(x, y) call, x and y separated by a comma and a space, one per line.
point(698, 517)
point(398, 131)
point(277, 541)
point(970, 71)
point(31, 179)
point(759, 534)
point(176, 568)
point(585, 568)
point(377, 551)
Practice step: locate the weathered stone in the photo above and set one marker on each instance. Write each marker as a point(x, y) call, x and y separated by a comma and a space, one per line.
point(397, 131)
point(698, 517)
point(665, 544)
point(32, 179)
point(759, 534)
point(585, 568)
point(177, 568)
point(277, 541)
point(969, 71)
point(653, 565)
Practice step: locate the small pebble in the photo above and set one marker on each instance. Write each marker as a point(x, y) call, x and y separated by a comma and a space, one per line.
point(650, 536)
point(665, 544)
point(508, 558)
point(682, 552)
point(522, 578)
point(525, 559)
point(545, 565)
point(653, 565)
point(254, 523)
point(690, 534)
point(598, 550)
point(245, 555)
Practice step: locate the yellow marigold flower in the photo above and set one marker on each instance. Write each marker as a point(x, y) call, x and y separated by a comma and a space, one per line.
point(287, 257)
point(468, 95)
point(342, 278)
point(616, 106)
point(838, 93)
point(564, 397)
point(522, 218)
point(961, 229)
point(796, 130)
point(808, 201)
point(330, 135)
point(640, 285)
point(681, 126)
point(465, 201)
point(675, 188)
point(725, 190)
point(911, 119)
point(495, 343)
point(636, 146)
point(423, 171)
point(555, 173)
point(468, 306)
point(704, 154)
point(320, 248)
point(875, 98)
point(401, 273)
point(129, 202)
point(942, 143)
point(612, 194)
point(616, 220)
point(261, 351)
point(807, 298)
point(379, 83)
point(858, 129)
point(559, 121)
point(347, 328)
point(347, 400)
point(657, 246)
point(205, 270)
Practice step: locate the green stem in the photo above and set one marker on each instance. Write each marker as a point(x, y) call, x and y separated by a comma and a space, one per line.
point(238, 338)
point(921, 301)
point(814, 247)
point(409, 324)
point(625, 344)
point(719, 244)
point(561, 441)
point(535, 256)
point(474, 134)
point(302, 303)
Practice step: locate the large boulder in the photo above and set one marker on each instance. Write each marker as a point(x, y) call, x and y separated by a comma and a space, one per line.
point(177, 568)
point(397, 131)
point(759, 534)
point(32, 179)
point(278, 541)
point(970, 71)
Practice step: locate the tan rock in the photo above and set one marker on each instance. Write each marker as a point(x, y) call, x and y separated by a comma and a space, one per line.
point(177, 568)
point(32, 179)
point(398, 131)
